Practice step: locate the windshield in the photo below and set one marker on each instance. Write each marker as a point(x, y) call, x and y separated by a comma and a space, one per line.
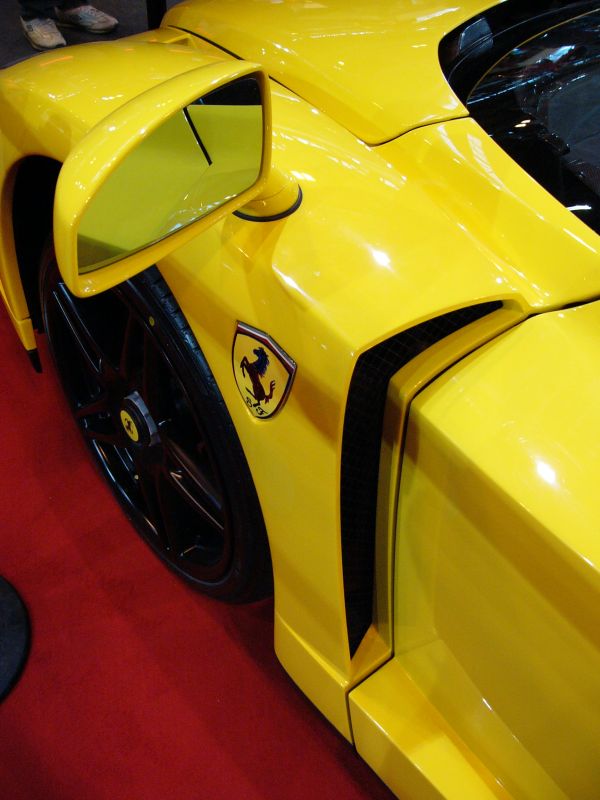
point(541, 103)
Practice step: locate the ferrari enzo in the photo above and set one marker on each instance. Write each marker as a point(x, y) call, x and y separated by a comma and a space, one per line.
point(320, 279)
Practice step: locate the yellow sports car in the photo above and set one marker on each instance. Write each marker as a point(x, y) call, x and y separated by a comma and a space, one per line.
point(321, 281)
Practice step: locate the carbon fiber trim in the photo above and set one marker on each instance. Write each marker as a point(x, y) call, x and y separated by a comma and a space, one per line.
point(361, 445)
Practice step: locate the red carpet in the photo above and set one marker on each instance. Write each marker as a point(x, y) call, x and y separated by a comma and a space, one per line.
point(136, 688)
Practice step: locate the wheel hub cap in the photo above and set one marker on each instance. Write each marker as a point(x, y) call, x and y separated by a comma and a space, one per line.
point(137, 421)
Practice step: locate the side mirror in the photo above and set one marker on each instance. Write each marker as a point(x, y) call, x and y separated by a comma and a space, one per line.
point(159, 170)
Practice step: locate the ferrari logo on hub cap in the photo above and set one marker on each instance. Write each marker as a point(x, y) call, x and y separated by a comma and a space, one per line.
point(263, 371)
point(130, 426)
point(137, 420)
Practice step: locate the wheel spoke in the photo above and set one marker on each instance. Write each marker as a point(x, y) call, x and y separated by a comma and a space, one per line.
point(153, 489)
point(96, 422)
point(118, 467)
point(100, 430)
point(152, 385)
point(134, 481)
point(126, 463)
point(170, 529)
point(97, 406)
point(80, 334)
point(155, 515)
point(132, 347)
point(194, 486)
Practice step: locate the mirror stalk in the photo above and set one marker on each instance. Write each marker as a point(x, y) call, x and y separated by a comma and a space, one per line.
point(280, 197)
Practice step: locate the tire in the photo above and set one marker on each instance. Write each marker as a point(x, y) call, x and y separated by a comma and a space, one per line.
point(155, 422)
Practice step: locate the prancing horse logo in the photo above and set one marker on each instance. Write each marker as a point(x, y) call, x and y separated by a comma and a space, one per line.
point(130, 426)
point(263, 371)
point(255, 371)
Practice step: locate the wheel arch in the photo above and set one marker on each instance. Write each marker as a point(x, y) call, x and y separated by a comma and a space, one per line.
point(32, 203)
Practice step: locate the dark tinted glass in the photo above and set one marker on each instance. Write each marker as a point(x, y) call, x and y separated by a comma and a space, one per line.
point(541, 103)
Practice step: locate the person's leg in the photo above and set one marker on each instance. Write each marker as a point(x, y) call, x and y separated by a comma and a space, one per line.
point(73, 14)
point(36, 8)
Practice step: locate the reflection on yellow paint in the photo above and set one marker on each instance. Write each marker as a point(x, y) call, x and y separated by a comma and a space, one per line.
point(190, 165)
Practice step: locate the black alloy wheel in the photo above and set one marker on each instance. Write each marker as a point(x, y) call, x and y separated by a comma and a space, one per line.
point(154, 419)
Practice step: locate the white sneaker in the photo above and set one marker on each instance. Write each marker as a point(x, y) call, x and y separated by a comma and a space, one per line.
point(86, 17)
point(42, 33)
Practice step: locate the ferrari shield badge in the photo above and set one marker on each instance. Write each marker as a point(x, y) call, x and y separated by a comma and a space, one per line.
point(263, 371)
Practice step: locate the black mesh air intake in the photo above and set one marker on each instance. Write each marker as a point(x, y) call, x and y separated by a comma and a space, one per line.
point(361, 447)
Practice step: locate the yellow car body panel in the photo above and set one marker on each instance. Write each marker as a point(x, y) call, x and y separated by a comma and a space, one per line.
point(502, 208)
point(343, 57)
point(381, 242)
point(497, 625)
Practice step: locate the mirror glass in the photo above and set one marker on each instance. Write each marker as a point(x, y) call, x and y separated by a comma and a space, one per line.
point(194, 162)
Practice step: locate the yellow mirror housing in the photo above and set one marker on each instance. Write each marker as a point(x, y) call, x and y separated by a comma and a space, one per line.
point(137, 143)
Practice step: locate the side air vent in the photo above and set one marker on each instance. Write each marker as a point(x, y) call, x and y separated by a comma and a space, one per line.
point(361, 446)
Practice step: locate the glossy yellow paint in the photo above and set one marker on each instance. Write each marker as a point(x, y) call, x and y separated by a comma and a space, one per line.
point(280, 196)
point(385, 238)
point(405, 739)
point(503, 210)
point(402, 389)
point(23, 327)
point(357, 61)
point(497, 626)
point(11, 288)
point(99, 156)
point(298, 279)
